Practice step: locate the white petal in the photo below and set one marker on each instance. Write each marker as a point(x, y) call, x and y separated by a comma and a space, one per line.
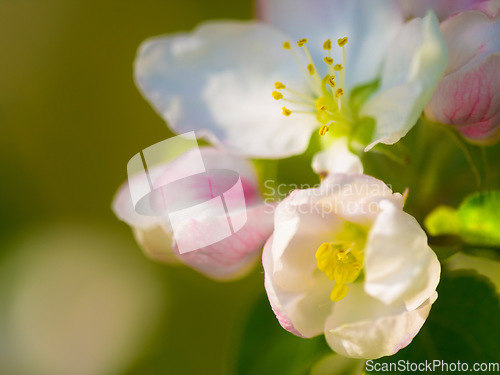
point(355, 197)
point(415, 64)
point(301, 313)
point(156, 244)
point(370, 26)
point(399, 265)
point(300, 227)
point(337, 159)
point(363, 327)
point(218, 82)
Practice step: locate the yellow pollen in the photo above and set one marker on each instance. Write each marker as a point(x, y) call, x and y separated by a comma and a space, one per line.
point(327, 45)
point(310, 69)
point(279, 86)
point(338, 67)
point(286, 111)
point(342, 41)
point(343, 266)
point(286, 45)
point(328, 60)
point(277, 95)
point(323, 130)
point(339, 93)
point(331, 81)
point(301, 42)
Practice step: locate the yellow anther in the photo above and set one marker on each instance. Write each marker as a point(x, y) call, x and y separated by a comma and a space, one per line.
point(320, 103)
point(342, 41)
point(327, 45)
point(328, 60)
point(338, 264)
point(301, 42)
point(338, 67)
point(277, 95)
point(339, 93)
point(331, 81)
point(323, 130)
point(286, 45)
point(286, 111)
point(279, 86)
point(310, 69)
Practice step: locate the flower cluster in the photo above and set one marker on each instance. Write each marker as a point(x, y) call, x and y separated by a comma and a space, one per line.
point(341, 259)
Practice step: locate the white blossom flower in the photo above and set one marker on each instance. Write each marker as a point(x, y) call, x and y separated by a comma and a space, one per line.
point(218, 79)
point(346, 261)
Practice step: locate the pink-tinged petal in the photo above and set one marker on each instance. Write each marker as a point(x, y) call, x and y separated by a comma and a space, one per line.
point(470, 36)
point(124, 209)
point(470, 99)
point(447, 8)
point(363, 327)
point(242, 212)
point(370, 26)
point(233, 256)
point(303, 313)
point(218, 80)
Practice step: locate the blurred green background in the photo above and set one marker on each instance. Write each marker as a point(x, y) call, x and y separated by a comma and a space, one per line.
point(77, 296)
point(71, 118)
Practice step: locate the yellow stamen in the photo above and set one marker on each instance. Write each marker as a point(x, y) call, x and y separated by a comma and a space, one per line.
point(323, 130)
point(339, 93)
point(338, 67)
point(286, 111)
point(277, 95)
point(310, 69)
point(320, 103)
point(343, 266)
point(286, 45)
point(339, 292)
point(331, 81)
point(328, 60)
point(279, 86)
point(342, 41)
point(301, 42)
point(327, 45)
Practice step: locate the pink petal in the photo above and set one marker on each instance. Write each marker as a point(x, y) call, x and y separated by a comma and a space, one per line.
point(470, 99)
point(447, 8)
point(233, 256)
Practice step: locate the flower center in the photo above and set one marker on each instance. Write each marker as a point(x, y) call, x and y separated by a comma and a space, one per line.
point(340, 263)
point(326, 102)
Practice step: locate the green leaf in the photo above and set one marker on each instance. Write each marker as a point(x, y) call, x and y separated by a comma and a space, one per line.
point(443, 220)
point(266, 348)
point(476, 221)
point(479, 216)
point(463, 325)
